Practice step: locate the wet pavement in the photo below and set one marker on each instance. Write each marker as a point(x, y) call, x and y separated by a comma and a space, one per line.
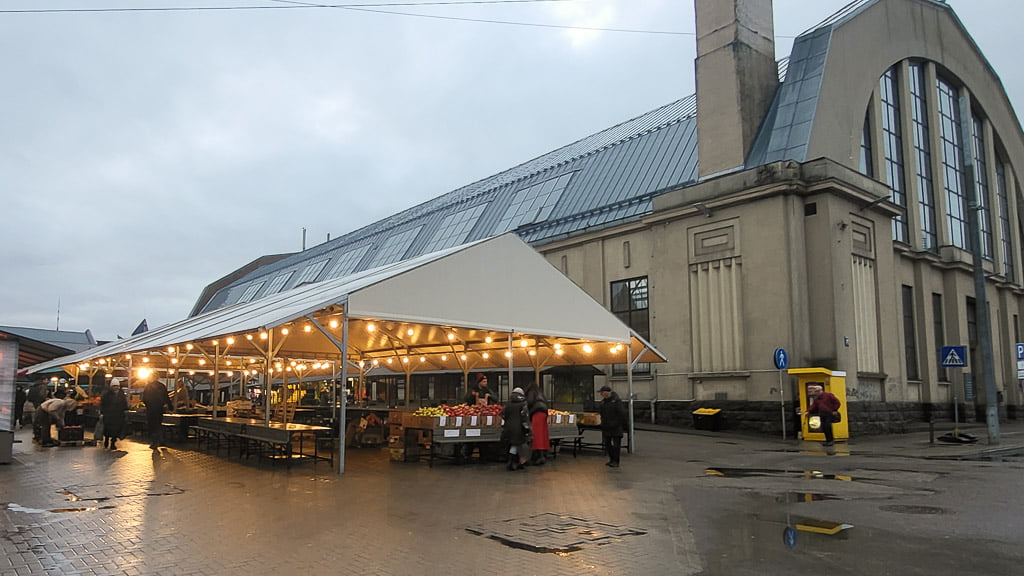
point(683, 503)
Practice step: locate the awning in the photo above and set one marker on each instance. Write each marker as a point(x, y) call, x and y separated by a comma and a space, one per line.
point(464, 308)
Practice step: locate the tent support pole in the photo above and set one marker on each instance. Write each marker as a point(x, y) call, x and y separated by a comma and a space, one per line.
point(629, 378)
point(268, 381)
point(511, 364)
point(342, 397)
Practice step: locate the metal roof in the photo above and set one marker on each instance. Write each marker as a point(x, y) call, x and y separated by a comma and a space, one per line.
point(607, 176)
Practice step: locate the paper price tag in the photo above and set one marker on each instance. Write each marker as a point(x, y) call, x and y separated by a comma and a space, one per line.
point(451, 433)
point(558, 418)
point(458, 421)
point(443, 420)
point(572, 418)
point(472, 420)
point(472, 432)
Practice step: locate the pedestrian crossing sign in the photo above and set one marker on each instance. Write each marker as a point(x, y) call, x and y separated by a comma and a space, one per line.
point(954, 356)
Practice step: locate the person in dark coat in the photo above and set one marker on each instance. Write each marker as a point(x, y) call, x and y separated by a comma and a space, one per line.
point(537, 406)
point(20, 396)
point(614, 419)
point(156, 398)
point(515, 429)
point(113, 406)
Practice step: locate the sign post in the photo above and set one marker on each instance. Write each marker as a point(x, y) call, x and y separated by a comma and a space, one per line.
point(781, 360)
point(956, 357)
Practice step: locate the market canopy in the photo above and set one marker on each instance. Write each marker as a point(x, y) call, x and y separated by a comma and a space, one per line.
point(469, 307)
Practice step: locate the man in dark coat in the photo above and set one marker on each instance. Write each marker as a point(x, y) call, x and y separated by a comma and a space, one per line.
point(614, 419)
point(20, 396)
point(113, 406)
point(156, 398)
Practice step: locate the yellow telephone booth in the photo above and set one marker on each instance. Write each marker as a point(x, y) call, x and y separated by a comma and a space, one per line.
point(832, 381)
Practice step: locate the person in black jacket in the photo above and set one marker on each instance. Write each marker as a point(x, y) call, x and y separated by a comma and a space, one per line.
point(113, 406)
point(614, 420)
point(516, 428)
point(156, 398)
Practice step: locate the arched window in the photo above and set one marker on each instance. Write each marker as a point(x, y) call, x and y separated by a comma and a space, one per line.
point(892, 139)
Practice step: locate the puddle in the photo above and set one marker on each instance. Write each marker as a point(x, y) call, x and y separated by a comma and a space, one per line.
point(805, 497)
point(531, 548)
point(19, 508)
point(751, 472)
point(907, 509)
point(89, 509)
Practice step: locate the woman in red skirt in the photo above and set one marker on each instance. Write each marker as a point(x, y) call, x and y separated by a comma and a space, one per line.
point(538, 409)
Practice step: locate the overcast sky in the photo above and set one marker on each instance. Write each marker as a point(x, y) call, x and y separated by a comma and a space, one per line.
point(147, 154)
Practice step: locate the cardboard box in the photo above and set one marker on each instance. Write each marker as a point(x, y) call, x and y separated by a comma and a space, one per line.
point(591, 419)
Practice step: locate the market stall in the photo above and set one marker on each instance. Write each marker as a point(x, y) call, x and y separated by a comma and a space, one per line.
point(415, 315)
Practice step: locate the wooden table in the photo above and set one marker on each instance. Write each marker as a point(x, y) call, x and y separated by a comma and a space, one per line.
point(275, 440)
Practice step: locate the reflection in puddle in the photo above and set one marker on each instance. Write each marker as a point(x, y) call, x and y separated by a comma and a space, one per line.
point(750, 472)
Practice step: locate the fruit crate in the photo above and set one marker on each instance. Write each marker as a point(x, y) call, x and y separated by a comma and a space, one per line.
point(561, 419)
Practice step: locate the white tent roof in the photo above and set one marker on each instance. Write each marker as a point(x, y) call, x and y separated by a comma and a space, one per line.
point(440, 309)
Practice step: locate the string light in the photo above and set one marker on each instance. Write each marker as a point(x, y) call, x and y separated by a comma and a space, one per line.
point(488, 339)
point(371, 327)
point(444, 357)
point(486, 355)
point(587, 348)
point(230, 341)
point(284, 331)
point(463, 357)
point(263, 335)
point(248, 337)
point(202, 362)
point(423, 358)
point(409, 332)
point(307, 328)
point(333, 323)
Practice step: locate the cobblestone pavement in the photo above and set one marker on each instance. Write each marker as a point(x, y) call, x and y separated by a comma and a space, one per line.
point(85, 511)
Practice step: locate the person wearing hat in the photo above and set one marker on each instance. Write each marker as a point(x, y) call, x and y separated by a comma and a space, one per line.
point(516, 429)
point(481, 394)
point(113, 408)
point(614, 420)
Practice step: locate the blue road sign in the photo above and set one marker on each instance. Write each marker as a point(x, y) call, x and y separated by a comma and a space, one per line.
point(954, 356)
point(1020, 351)
point(789, 537)
point(781, 358)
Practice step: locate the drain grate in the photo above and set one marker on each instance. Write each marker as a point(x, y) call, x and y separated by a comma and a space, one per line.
point(553, 533)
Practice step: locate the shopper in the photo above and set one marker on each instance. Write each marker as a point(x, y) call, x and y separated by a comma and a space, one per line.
point(50, 413)
point(537, 406)
point(113, 409)
point(614, 420)
point(37, 394)
point(156, 399)
point(516, 429)
point(20, 397)
point(825, 406)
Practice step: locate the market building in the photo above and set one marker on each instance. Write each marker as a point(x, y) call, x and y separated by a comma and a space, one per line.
point(818, 204)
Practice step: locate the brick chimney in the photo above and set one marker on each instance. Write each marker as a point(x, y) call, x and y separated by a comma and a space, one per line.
point(736, 79)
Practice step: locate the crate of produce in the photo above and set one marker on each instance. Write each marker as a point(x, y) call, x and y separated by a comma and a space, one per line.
point(591, 419)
